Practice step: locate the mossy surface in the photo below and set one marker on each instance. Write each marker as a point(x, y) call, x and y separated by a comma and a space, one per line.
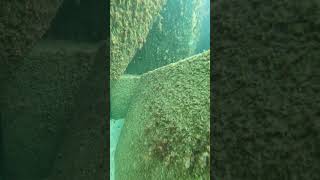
point(21, 24)
point(173, 36)
point(37, 102)
point(266, 118)
point(166, 130)
point(82, 153)
point(130, 22)
point(121, 94)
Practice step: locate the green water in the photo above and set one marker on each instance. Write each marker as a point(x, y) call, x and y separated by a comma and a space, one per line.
point(162, 98)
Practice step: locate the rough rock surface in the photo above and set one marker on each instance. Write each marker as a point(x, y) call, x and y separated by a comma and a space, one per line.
point(37, 103)
point(130, 22)
point(37, 93)
point(21, 24)
point(266, 55)
point(82, 154)
point(166, 130)
point(176, 26)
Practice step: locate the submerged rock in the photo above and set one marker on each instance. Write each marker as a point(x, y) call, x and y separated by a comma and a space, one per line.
point(166, 133)
point(267, 116)
point(176, 26)
point(22, 24)
point(130, 22)
point(37, 104)
point(82, 152)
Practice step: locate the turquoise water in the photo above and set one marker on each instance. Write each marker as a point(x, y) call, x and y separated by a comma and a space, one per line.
point(204, 42)
point(184, 32)
point(115, 130)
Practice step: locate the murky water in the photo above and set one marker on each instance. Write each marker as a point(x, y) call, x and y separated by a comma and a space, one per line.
point(115, 130)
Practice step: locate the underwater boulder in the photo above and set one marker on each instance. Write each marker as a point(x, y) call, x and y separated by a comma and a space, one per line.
point(82, 154)
point(121, 94)
point(37, 103)
point(267, 83)
point(166, 130)
point(22, 24)
point(130, 22)
point(178, 24)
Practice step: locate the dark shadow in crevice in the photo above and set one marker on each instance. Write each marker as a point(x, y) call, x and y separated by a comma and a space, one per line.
point(79, 20)
point(1, 148)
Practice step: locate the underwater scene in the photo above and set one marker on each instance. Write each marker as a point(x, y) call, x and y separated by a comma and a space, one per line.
point(160, 89)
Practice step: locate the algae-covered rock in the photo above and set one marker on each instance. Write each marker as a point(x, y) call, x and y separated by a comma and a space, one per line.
point(21, 24)
point(166, 131)
point(37, 103)
point(121, 93)
point(177, 26)
point(82, 154)
point(266, 123)
point(130, 22)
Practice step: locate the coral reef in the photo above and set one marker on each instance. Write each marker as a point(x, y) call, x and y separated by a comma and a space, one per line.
point(130, 22)
point(166, 130)
point(121, 94)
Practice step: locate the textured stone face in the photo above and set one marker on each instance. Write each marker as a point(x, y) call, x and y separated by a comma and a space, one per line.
point(177, 26)
point(37, 106)
point(82, 154)
point(130, 22)
point(267, 105)
point(22, 23)
point(166, 130)
point(38, 90)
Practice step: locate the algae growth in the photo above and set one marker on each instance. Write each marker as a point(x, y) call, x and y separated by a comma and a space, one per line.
point(166, 131)
point(50, 87)
point(178, 24)
point(160, 90)
point(130, 22)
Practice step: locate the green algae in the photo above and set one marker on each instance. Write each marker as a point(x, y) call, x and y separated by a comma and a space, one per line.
point(166, 130)
point(166, 109)
point(173, 36)
point(267, 90)
point(37, 103)
point(130, 22)
point(81, 155)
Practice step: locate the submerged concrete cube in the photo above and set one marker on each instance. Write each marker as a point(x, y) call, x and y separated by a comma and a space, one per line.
point(130, 22)
point(36, 107)
point(166, 130)
point(177, 26)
